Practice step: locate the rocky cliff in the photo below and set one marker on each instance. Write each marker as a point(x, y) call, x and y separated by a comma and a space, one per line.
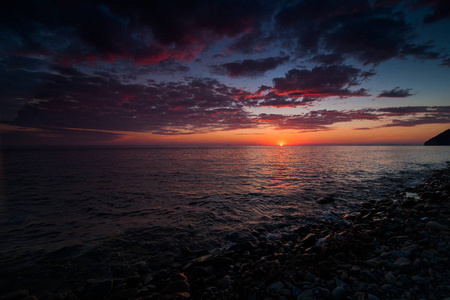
point(441, 139)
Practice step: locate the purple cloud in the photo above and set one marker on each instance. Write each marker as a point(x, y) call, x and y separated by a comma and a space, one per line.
point(249, 67)
point(395, 93)
point(322, 81)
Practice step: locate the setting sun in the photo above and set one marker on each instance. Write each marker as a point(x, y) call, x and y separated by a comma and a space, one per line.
point(281, 144)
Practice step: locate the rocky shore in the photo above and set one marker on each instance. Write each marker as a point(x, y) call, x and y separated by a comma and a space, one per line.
point(397, 248)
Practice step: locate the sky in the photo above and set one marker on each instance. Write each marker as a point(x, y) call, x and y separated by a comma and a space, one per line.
point(253, 72)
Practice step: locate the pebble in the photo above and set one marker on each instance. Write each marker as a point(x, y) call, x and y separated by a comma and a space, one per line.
point(124, 294)
point(19, 294)
point(178, 286)
point(339, 293)
point(436, 226)
point(390, 278)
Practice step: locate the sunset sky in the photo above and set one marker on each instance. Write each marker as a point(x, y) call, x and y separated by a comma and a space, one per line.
point(224, 72)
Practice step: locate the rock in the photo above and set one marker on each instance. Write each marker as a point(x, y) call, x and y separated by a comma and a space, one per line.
point(325, 200)
point(225, 281)
point(372, 297)
point(16, 295)
point(243, 246)
point(178, 276)
point(441, 139)
point(178, 286)
point(309, 240)
point(368, 277)
point(274, 287)
point(419, 280)
point(372, 263)
point(132, 281)
point(292, 237)
point(436, 226)
point(124, 294)
point(403, 263)
point(100, 290)
point(198, 271)
point(307, 295)
point(221, 262)
point(339, 293)
point(390, 278)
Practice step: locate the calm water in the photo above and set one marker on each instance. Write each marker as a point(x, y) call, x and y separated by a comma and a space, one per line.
point(164, 199)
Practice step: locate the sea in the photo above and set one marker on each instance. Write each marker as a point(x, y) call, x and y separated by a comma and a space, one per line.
point(150, 204)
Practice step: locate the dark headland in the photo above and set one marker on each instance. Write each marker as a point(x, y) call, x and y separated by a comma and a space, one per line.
point(397, 248)
point(442, 139)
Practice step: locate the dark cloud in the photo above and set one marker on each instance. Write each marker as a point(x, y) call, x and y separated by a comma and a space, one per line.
point(328, 59)
point(315, 120)
point(66, 98)
point(323, 81)
point(371, 32)
point(323, 120)
point(446, 62)
point(440, 10)
point(249, 67)
point(147, 32)
point(55, 137)
point(144, 31)
point(396, 93)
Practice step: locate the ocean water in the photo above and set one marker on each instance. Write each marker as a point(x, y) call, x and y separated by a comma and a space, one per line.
point(158, 201)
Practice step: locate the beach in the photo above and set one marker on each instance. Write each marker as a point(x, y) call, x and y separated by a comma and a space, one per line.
point(396, 248)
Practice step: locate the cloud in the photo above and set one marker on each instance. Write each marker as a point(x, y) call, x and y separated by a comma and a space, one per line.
point(145, 32)
point(323, 81)
point(440, 10)
point(249, 67)
point(66, 98)
point(21, 136)
point(328, 59)
point(370, 32)
point(323, 120)
point(154, 31)
point(396, 93)
point(446, 62)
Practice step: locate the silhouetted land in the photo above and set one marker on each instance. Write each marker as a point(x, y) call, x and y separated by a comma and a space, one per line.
point(442, 139)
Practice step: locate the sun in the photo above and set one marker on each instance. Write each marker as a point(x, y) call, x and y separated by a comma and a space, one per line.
point(281, 144)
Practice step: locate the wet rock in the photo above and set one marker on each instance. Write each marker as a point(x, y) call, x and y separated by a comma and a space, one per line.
point(309, 240)
point(372, 297)
point(100, 290)
point(198, 271)
point(274, 287)
point(179, 286)
point(292, 237)
point(419, 280)
point(16, 295)
point(243, 246)
point(325, 200)
point(390, 278)
point(403, 264)
point(225, 281)
point(436, 226)
point(132, 281)
point(372, 263)
point(124, 294)
point(178, 276)
point(339, 293)
point(221, 262)
point(368, 276)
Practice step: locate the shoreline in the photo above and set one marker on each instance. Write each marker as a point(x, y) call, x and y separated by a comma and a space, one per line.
point(395, 248)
